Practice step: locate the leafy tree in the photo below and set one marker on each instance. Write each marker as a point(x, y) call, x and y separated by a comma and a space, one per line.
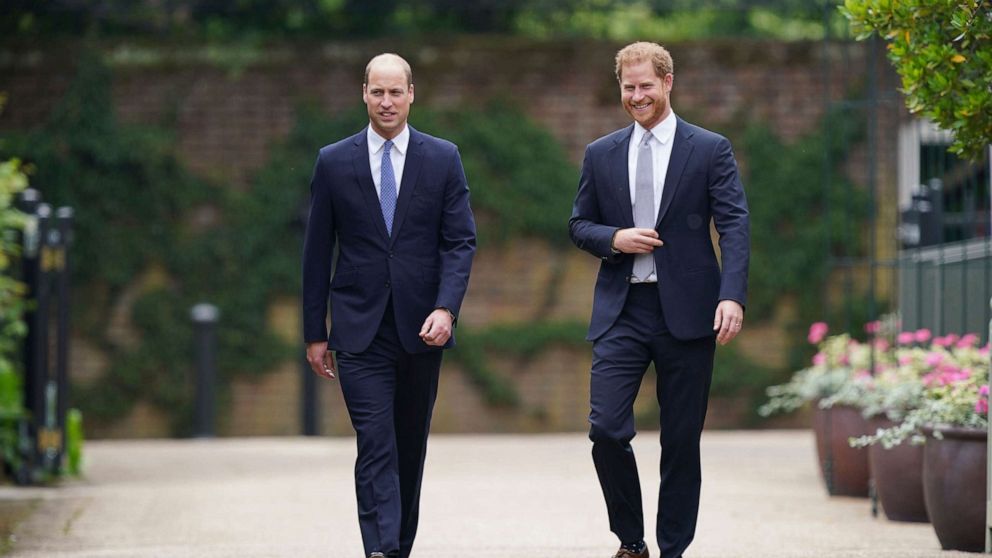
point(942, 49)
point(248, 21)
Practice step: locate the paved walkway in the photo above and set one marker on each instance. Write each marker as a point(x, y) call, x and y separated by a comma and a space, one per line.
point(484, 496)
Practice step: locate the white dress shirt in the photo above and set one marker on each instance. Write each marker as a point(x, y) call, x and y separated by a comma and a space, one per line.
point(662, 134)
point(397, 156)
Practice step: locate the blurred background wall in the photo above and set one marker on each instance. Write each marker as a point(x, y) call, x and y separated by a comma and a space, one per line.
point(190, 134)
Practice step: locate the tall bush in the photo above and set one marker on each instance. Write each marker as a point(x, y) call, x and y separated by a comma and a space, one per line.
point(943, 53)
point(12, 305)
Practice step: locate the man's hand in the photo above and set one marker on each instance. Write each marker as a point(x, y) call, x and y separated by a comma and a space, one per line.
point(636, 241)
point(321, 360)
point(728, 320)
point(437, 328)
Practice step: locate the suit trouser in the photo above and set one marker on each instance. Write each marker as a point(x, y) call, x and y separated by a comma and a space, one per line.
point(685, 369)
point(390, 397)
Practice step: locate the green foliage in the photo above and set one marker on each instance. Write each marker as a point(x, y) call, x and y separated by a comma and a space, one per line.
point(677, 20)
point(142, 236)
point(74, 442)
point(252, 22)
point(12, 292)
point(475, 348)
point(796, 222)
point(12, 306)
point(521, 180)
point(131, 190)
point(134, 205)
point(943, 52)
point(11, 414)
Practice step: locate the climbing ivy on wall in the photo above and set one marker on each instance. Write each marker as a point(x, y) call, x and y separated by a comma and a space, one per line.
point(141, 236)
point(136, 208)
point(151, 233)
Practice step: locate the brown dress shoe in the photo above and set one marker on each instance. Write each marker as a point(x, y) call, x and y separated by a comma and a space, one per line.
point(624, 553)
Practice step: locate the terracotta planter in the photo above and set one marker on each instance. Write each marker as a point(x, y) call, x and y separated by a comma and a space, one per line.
point(954, 487)
point(898, 475)
point(844, 469)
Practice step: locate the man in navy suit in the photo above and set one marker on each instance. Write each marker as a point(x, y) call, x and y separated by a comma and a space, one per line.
point(395, 204)
point(646, 196)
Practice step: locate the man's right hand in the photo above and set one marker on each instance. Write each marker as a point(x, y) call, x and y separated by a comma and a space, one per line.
point(321, 360)
point(636, 241)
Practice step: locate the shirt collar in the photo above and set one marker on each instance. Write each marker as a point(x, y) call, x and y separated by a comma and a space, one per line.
point(662, 131)
point(400, 142)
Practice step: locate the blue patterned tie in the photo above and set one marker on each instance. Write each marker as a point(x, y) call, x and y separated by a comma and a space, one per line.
point(387, 187)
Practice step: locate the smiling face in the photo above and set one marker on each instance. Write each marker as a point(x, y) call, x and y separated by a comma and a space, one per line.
point(387, 94)
point(645, 94)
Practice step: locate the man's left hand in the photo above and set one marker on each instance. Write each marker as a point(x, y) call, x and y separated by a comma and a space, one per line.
point(728, 321)
point(437, 328)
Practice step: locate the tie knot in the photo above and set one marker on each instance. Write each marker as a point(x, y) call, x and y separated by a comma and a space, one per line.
point(388, 145)
point(646, 142)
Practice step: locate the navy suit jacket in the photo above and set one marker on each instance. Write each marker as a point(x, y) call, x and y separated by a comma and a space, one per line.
point(422, 266)
point(701, 183)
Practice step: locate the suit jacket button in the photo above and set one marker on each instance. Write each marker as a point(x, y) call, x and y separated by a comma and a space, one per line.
point(387, 284)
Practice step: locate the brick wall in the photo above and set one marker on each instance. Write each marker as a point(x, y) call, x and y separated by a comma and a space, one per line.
point(227, 118)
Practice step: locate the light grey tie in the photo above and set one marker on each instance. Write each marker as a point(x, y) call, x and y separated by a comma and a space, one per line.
point(644, 204)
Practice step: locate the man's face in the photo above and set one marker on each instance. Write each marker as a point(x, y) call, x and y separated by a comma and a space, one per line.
point(645, 96)
point(388, 97)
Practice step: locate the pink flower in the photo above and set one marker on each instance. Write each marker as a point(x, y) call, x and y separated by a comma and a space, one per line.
point(819, 359)
point(844, 359)
point(922, 335)
point(905, 359)
point(984, 391)
point(982, 406)
point(968, 340)
point(881, 345)
point(817, 332)
point(933, 378)
point(933, 359)
point(873, 327)
point(905, 338)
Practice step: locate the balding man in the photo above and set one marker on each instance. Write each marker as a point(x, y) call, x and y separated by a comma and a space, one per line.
point(395, 204)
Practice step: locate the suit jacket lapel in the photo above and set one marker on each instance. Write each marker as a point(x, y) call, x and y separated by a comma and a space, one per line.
point(365, 184)
point(681, 150)
point(621, 176)
point(408, 183)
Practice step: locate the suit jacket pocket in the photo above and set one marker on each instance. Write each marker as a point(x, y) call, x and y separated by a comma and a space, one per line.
point(344, 279)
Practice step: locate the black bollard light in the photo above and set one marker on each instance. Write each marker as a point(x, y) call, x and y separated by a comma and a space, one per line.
point(37, 391)
point(28, 202)
point(64, 219)
point(205, 318)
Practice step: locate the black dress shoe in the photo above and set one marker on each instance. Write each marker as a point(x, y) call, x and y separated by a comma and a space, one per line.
point(624, 553)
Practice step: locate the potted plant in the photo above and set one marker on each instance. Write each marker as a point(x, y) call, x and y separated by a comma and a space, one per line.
point(837, 377)
point(951, 417)
point(897, 469)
